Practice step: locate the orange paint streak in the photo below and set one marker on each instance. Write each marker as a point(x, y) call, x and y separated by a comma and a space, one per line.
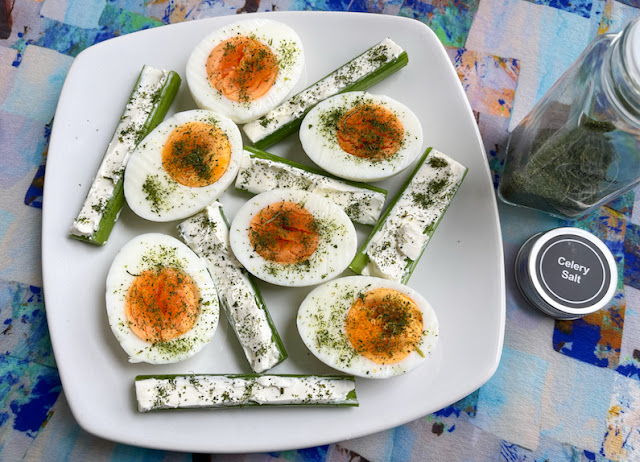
point(607, 13)
point(614, 440)
point(615, 411)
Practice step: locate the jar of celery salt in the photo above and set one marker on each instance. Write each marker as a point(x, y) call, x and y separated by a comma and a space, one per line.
point(580, 145)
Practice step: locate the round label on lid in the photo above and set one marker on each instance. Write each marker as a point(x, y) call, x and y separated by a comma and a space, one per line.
point(572, 271)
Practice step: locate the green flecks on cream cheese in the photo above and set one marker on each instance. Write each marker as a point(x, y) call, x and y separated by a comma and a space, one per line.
point(127, 135)
point(409, 225)
point(258, 175)
point(207, 235)
point(213, 391)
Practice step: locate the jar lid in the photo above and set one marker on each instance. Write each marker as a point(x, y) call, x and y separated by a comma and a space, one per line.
point(567, 273)
point(632, 49)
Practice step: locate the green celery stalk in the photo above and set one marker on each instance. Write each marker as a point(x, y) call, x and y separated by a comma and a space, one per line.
point(173, 391)
point(308, 97)
point(199, 241)
point(266, 155)
point(274, 332)
point(261, 304)
point(158, 103)
point(361, 259)
point(351, 202)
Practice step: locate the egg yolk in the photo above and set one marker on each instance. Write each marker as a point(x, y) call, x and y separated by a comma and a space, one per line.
point(162, 304)
point(370, 131)
point(196, 154)
point(284, 232)
point(242, 68)
point(384, 325)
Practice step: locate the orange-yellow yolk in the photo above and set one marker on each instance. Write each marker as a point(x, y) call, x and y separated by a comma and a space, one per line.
point(384, 325)
point(162, 304)
point(370, 131)
point(284, 232)
point(196, 154)
point(242, 68)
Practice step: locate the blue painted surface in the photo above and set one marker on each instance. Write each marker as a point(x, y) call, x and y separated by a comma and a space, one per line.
point(579, 7)
point(632, 256)
point(403, 441)
point(33, 197)
point(449, 19)
point(467, 405)
point(28, 391)
point(84, 14)
point(31, 415)
point(25, 333)
point(631, 370)
point(71, 40)
point(586, 336)
point(34, 98)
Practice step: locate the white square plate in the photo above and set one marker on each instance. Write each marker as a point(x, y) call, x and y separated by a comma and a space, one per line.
point(461, 273)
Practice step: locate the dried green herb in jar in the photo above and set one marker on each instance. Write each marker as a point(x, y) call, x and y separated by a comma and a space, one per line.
point(567, 171)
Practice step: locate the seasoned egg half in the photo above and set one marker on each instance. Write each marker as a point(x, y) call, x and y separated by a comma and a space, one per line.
point(245, 69)
point(161, 302)
point(183, 165)
point(369, 327)
point(362, 137)
point(292, 237)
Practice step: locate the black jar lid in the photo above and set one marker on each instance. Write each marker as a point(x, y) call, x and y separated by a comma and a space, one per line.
point(566, 273)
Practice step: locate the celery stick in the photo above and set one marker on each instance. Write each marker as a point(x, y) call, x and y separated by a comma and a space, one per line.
point(396, 244)
point(261, 171)
point(207, 235)
point(148, 103)
point(365, 70)
point(154, 392)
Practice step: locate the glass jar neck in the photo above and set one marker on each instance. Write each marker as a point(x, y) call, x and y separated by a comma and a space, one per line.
point(620, 74)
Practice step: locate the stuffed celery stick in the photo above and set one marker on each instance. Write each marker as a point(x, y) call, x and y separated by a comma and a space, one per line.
point(154, 392)
point(398, 241)
point(207, 234)
point(261, 171)
point(148, 103)
point(365, 70)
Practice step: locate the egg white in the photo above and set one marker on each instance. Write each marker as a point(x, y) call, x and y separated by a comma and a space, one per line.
point(177, 201)
point(145, 252)
point(320, 142)
point(336, 248)
point(322, 318)
point(283, 41)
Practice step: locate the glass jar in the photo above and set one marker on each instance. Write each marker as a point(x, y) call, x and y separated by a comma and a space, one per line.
point(580, 145)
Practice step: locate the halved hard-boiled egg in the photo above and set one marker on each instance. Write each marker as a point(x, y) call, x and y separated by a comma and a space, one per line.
point(246, 68)
point(369, 327)
point(161, 302)
point(292, 237)
point(361, 137)
point(183, 165)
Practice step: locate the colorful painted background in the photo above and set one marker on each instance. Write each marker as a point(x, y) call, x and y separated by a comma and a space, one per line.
point(565, 390)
